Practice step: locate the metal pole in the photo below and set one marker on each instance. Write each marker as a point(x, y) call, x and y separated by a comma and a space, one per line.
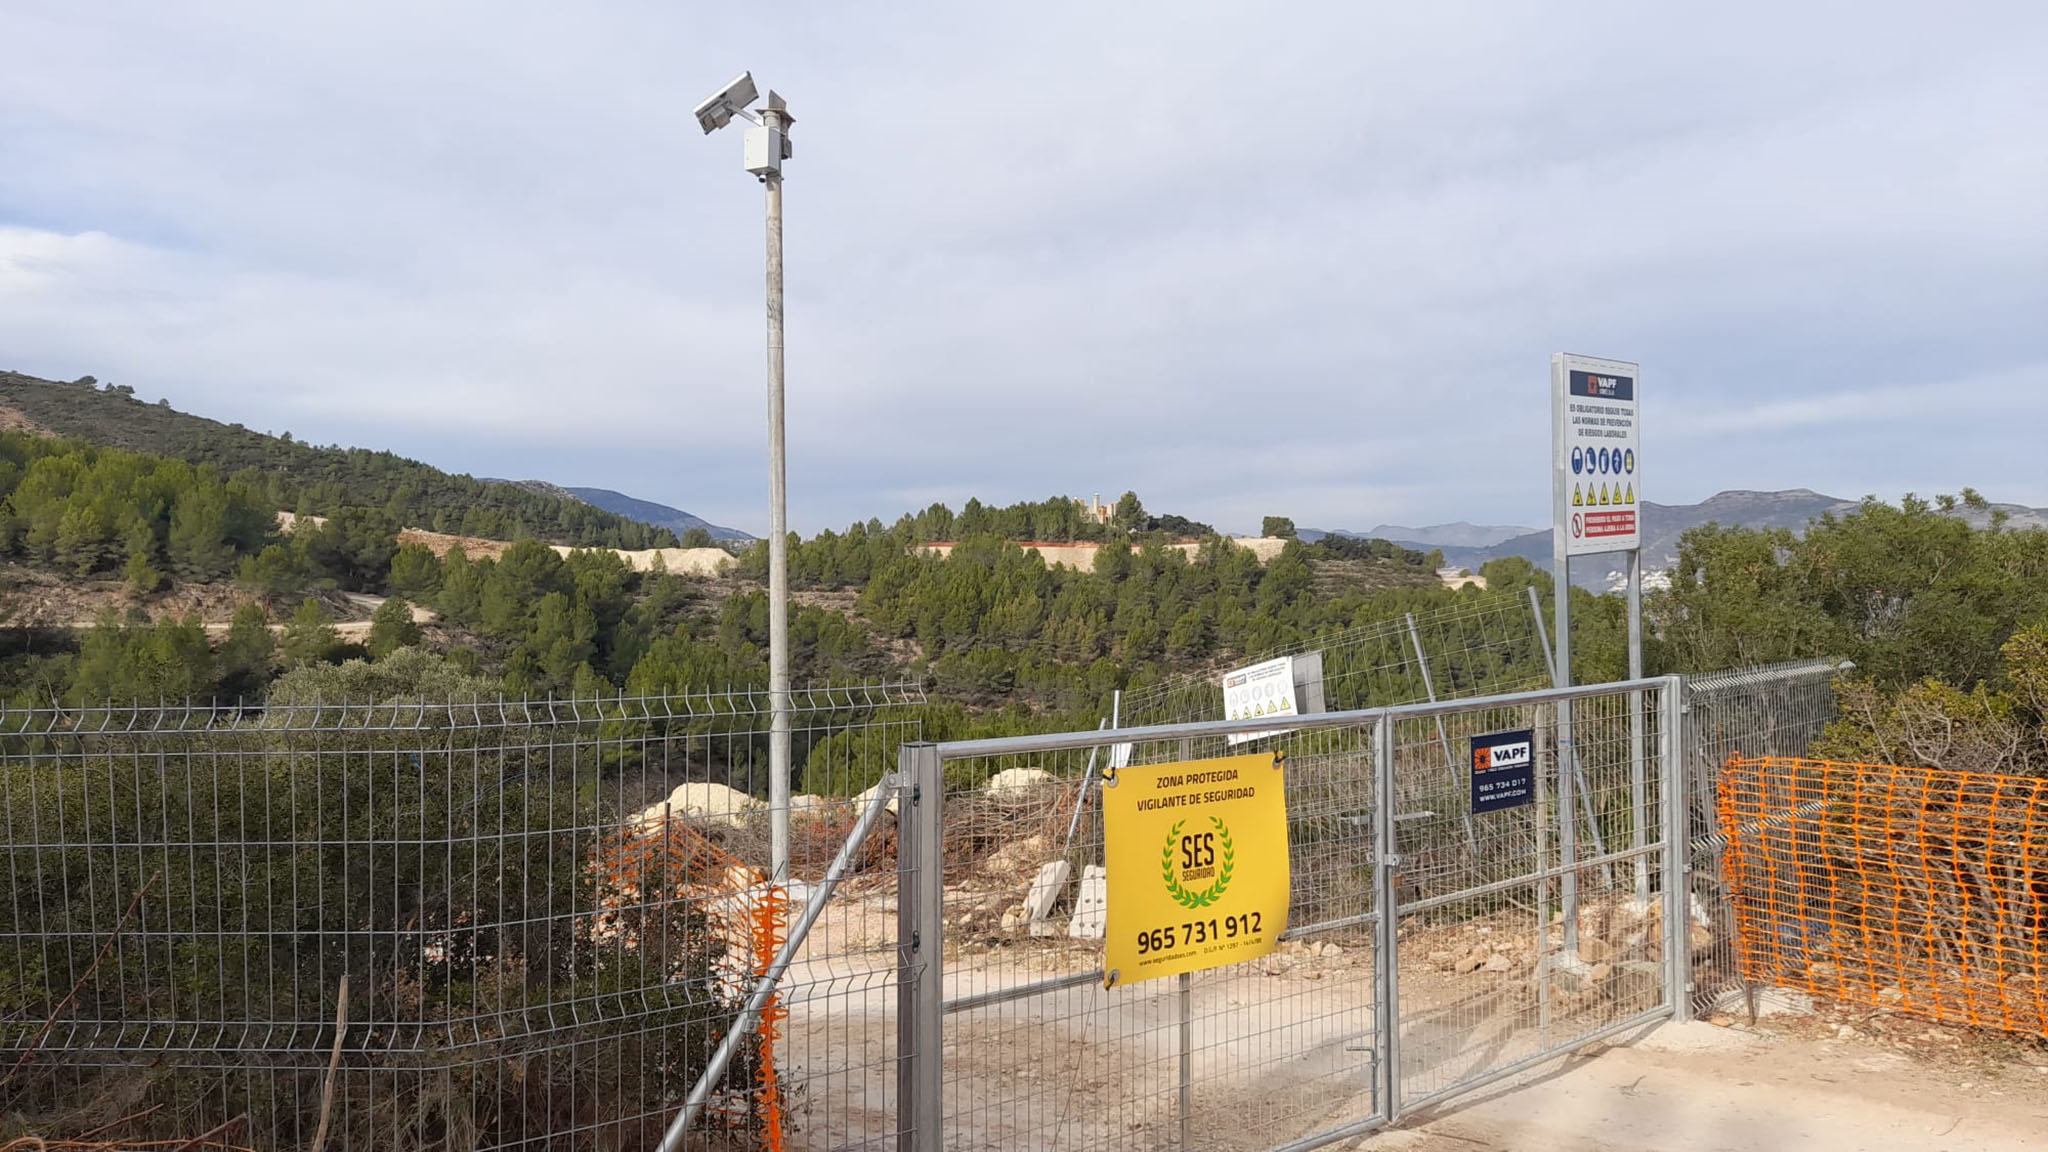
point(1638, 801)
point(1185, 994)
point(775, 117)
point(1387, 943)
point(1542, 633)
point(1571, 763)
point(1567, 752)
point(1542, 821)
point(1677, 853)
point(1442, 737)
point(1081, 797)
point(920, 948)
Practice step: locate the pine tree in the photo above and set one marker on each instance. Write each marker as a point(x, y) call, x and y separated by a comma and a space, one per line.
point(277, 572)
point(308, 638)
point(247, 654)
point(198, 545)
point(392, 628)
point(461, 596)
point(141, 572)
point(415, 573)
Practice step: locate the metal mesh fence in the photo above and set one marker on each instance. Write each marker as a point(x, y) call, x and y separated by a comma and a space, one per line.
point(476, 924)
point(1769, 710)
point(1900, 888)
point(1482, 645)
point(1493, 975)
point(1039, 1055)
point(1526, 930)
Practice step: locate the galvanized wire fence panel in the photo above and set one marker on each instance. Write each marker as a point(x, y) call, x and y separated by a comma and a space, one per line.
point(1526, 931)
point(1481, 645)
point(475, 924)
point(1039, 1055)
point(1769, 710)
point(1523, 933)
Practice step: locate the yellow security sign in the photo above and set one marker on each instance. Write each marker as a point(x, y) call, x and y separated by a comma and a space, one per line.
point(1198, 871)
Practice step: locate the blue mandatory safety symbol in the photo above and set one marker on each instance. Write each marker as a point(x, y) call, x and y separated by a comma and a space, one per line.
point(1578, 461)
point(1603, 461)
point(1629, 462)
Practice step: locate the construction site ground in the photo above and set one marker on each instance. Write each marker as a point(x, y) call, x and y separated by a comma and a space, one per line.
point(1800, 1078)
point(1791, 1083)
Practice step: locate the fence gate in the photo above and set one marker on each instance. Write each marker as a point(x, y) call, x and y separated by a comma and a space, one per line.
point(1429, 949)
point(1528, 929)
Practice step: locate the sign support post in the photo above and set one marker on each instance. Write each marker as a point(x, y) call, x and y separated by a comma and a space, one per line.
point(1595, 496)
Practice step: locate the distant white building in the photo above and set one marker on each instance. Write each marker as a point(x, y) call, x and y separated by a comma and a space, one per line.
point(1658, 581)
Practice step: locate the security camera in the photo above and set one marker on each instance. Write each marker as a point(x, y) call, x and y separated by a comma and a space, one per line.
point(730, 101)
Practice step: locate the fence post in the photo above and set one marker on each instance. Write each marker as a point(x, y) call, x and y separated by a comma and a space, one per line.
point(1387, 928)
point(920, 945)
point(1184, 998)
point(1443, 738)
point(1676, 793)
point(1564, 744)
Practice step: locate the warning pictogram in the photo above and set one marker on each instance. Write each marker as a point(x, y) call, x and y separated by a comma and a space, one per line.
point(1578, 497)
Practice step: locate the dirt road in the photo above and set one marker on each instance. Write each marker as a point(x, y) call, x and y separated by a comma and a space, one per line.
point(1275, 1057)
point(1699, 1088)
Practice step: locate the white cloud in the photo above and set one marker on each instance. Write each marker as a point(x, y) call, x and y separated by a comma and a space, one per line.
point(1308, 263)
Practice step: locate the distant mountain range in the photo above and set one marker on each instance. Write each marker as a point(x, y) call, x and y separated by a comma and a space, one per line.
point(1458, 535)
point(648, 512)
point(1663, 524)
point(645, 511)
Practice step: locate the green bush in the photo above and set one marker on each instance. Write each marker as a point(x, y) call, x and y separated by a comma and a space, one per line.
point(436, 856)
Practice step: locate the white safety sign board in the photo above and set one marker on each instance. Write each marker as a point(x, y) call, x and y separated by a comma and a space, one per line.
point(1598, 486)
point(1263, 689)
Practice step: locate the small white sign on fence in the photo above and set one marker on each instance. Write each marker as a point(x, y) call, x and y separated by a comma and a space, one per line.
point(1263, 689)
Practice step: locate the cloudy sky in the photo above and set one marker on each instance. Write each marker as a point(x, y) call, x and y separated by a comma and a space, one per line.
point(1309, 260)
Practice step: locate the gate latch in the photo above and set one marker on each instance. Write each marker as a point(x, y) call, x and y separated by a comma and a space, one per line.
point(1390, 860)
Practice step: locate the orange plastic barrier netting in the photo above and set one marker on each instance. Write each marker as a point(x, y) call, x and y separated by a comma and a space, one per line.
point(1904, 888)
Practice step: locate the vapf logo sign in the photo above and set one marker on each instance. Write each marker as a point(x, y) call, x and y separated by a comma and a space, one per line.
point(1503, 770)
point(1603, 387)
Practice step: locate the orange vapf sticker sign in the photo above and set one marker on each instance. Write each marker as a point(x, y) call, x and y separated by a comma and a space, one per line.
point(1503, 770)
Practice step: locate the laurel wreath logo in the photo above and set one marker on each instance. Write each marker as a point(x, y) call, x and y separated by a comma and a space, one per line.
point(1202, 897)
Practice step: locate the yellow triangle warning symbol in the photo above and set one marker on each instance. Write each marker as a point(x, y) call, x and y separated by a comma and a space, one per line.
point(1578, 497)
point(1631, 495)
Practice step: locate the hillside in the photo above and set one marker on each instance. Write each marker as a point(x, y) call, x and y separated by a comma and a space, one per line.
point(320, 480)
